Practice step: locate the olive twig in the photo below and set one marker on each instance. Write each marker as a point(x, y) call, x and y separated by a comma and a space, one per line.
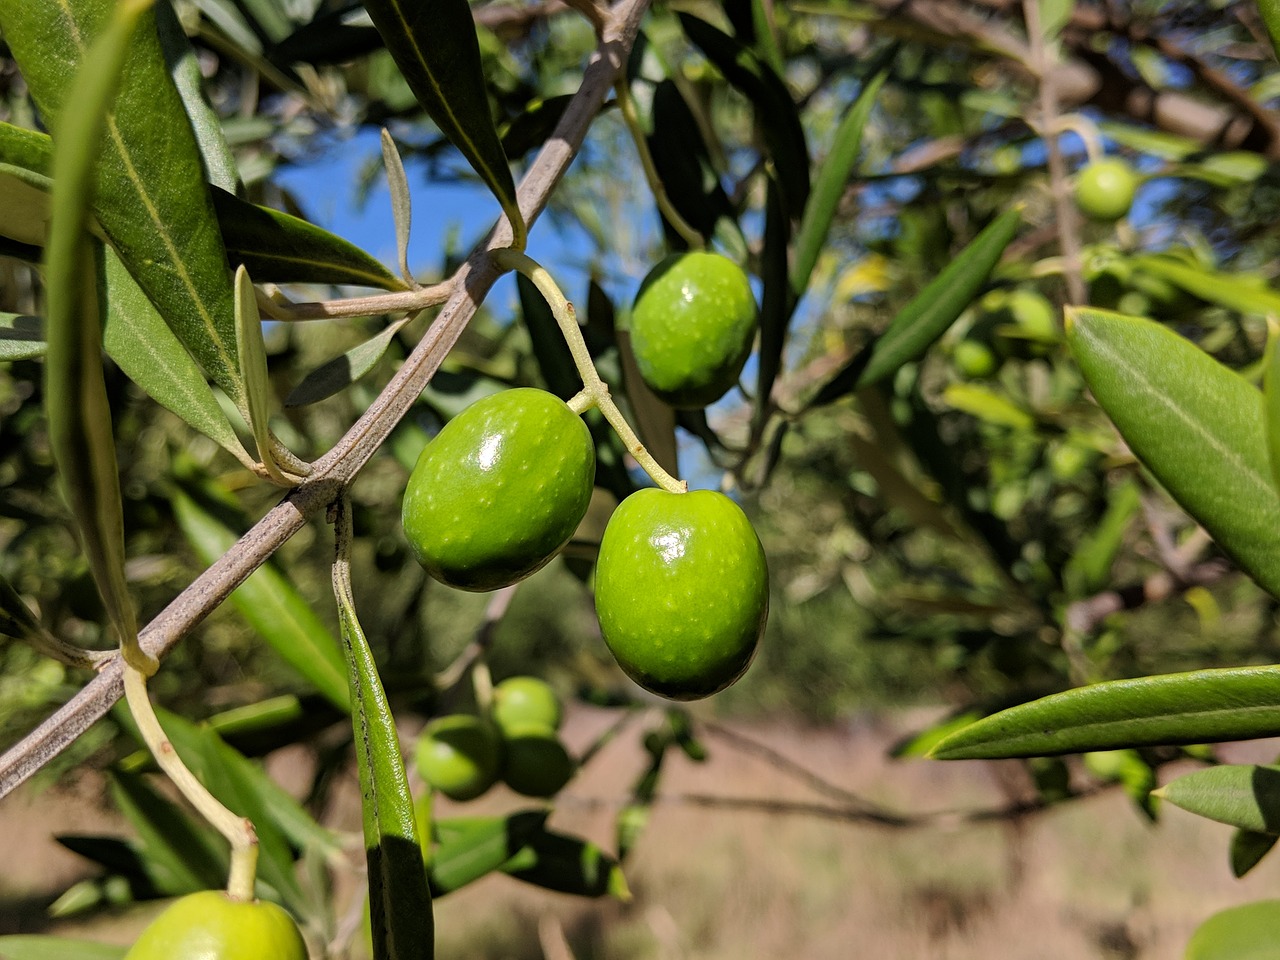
point(1082, 127)
point(625, 104)
point(238, 830)
point(595, 391)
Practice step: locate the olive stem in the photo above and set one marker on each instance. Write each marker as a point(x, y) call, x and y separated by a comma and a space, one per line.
point(595, 391)
point(238, 830)
point(628, 108)
point(482, 684)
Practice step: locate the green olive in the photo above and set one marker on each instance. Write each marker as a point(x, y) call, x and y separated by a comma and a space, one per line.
point(499, 490)
point(211, 926)
point(1105, 189)
point(459, 755)
point(535, 762)
point(525, 700)
point(682, 591)
point(692, 326)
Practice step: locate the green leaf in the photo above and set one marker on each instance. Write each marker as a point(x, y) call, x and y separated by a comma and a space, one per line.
point(401, 205)
point(1247, 850)
point(1246, 797)
point(251, 353)
point(684, 166)
point(142, 345)
point(1225, 289)
point(270, 604)
point(1250, 932)
point(1270, 10)
point(399, 899)
point(16, 618)
point(988, 405)
point(278, 248)
point(150, 198)
point(342, 371)
point(928, 315)
point(181, 854)
point(35, 947)
point(1271, 396)
point(555, 861)
point(80, 432)
point(1198, 427)
point(533, 127)
point(777, 303)
point(473, 847)
point(435, 47)
point(24, 206)
point(555, 362)
point(833, 178)
point(1089, 568)
point(21, 336)
point(1201, 706)
point(775, 110)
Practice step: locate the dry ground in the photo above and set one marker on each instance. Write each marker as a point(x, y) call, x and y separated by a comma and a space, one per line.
point(1089, 879)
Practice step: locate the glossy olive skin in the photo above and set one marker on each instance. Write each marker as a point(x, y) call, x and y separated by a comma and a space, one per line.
point(692, 326)
point(525, 700)
point(1105, 189)
point(682, 591)
point(211, 926)
point(459, 755)
point(499, 490)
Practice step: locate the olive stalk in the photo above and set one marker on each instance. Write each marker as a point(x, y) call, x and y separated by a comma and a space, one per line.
point(628, 107)
point(595, 392)
point(238, 830)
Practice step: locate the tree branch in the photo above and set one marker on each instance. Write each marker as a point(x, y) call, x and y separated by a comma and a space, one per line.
point(339, 466)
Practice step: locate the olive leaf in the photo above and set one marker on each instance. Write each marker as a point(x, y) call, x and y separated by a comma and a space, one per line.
point(342, 371)
point(435, 47)
point(1201, 706)
point(401, 204)
point(251, 354)
point(1249, 932)
point(399, 898)
point(79, 416)
point(21, 336)
point(150, 195)
point(37, 947)
point(1199, 427)
point(1271, 397)
point(1248, 848)
point(1245, 797)
point(473, 847)
point(566, 864)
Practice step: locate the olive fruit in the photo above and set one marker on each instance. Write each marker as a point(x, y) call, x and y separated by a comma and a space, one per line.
point(499, 490)
point(459, 755)
point(525, 700)
point(1105, 189)
point(535, 762)
point(682, 591)
point(211, 926)
point(692, 326)
point(974, 359)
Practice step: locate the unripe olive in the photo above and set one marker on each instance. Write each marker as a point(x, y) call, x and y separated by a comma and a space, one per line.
point(535, 762)
point(525, 700)
point(459, 755)
point(1105, 189)
point(211, 926)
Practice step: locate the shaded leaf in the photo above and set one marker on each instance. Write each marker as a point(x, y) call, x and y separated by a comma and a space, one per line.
point(775, 110)
point(1250, 932)
point(1089, 568)
point(833, 176)
point(655, 420)
point(151, 198)
point(777, 302)
point(21, 336)
point(1245, 797)
point(1201, 706)
point(181, 854)
point(399, 899)
point(342, 371)
point(473, 847)
point(1271, 397)
point(270, 604)
point(1247, 850)
point(1198, 426)
point(556, 861)
point(435, 47)
point(684, 166)
point(928, 315)
point(1224, 289)
point(531, 128)
point(555, 362)
point(1270, 10)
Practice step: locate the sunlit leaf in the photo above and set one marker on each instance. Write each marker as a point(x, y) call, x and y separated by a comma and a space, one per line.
point(1246, 797)
point(1250, 932)
point(401, 205)
point(473, 847)
point(1201, 706)
point(436, 49)
point(35, 947)
point(1198, 426)
point(1225, 289)
point(21, 336)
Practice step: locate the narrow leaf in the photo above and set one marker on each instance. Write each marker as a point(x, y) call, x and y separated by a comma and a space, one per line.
point(183, 855)
point(1270, 10)
point(252, 356)
point(684, 166)
point(1271, 396)
point(777, 302)
point(775, 110)
point(1198, 426)
point(400, 902)
point(436, 49)
point(1224, 289)
point(555, 362)
point(534, 126)
point(341, 372)
point(271, 605)
point(471, 848)
point(988, 405)
point(1202, 706)
point(36, 947)
point(1248, 849)
point(928, 315)
point(24, 206)
point(655, 420)
point(401, 205)
point(1246, 797)
point(142, 345)
point(555, 861)
point(1089, 569)
point(151, 199)
point(1250, 932)
point(21, 337)
point(80, 432)
point(833, 176)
